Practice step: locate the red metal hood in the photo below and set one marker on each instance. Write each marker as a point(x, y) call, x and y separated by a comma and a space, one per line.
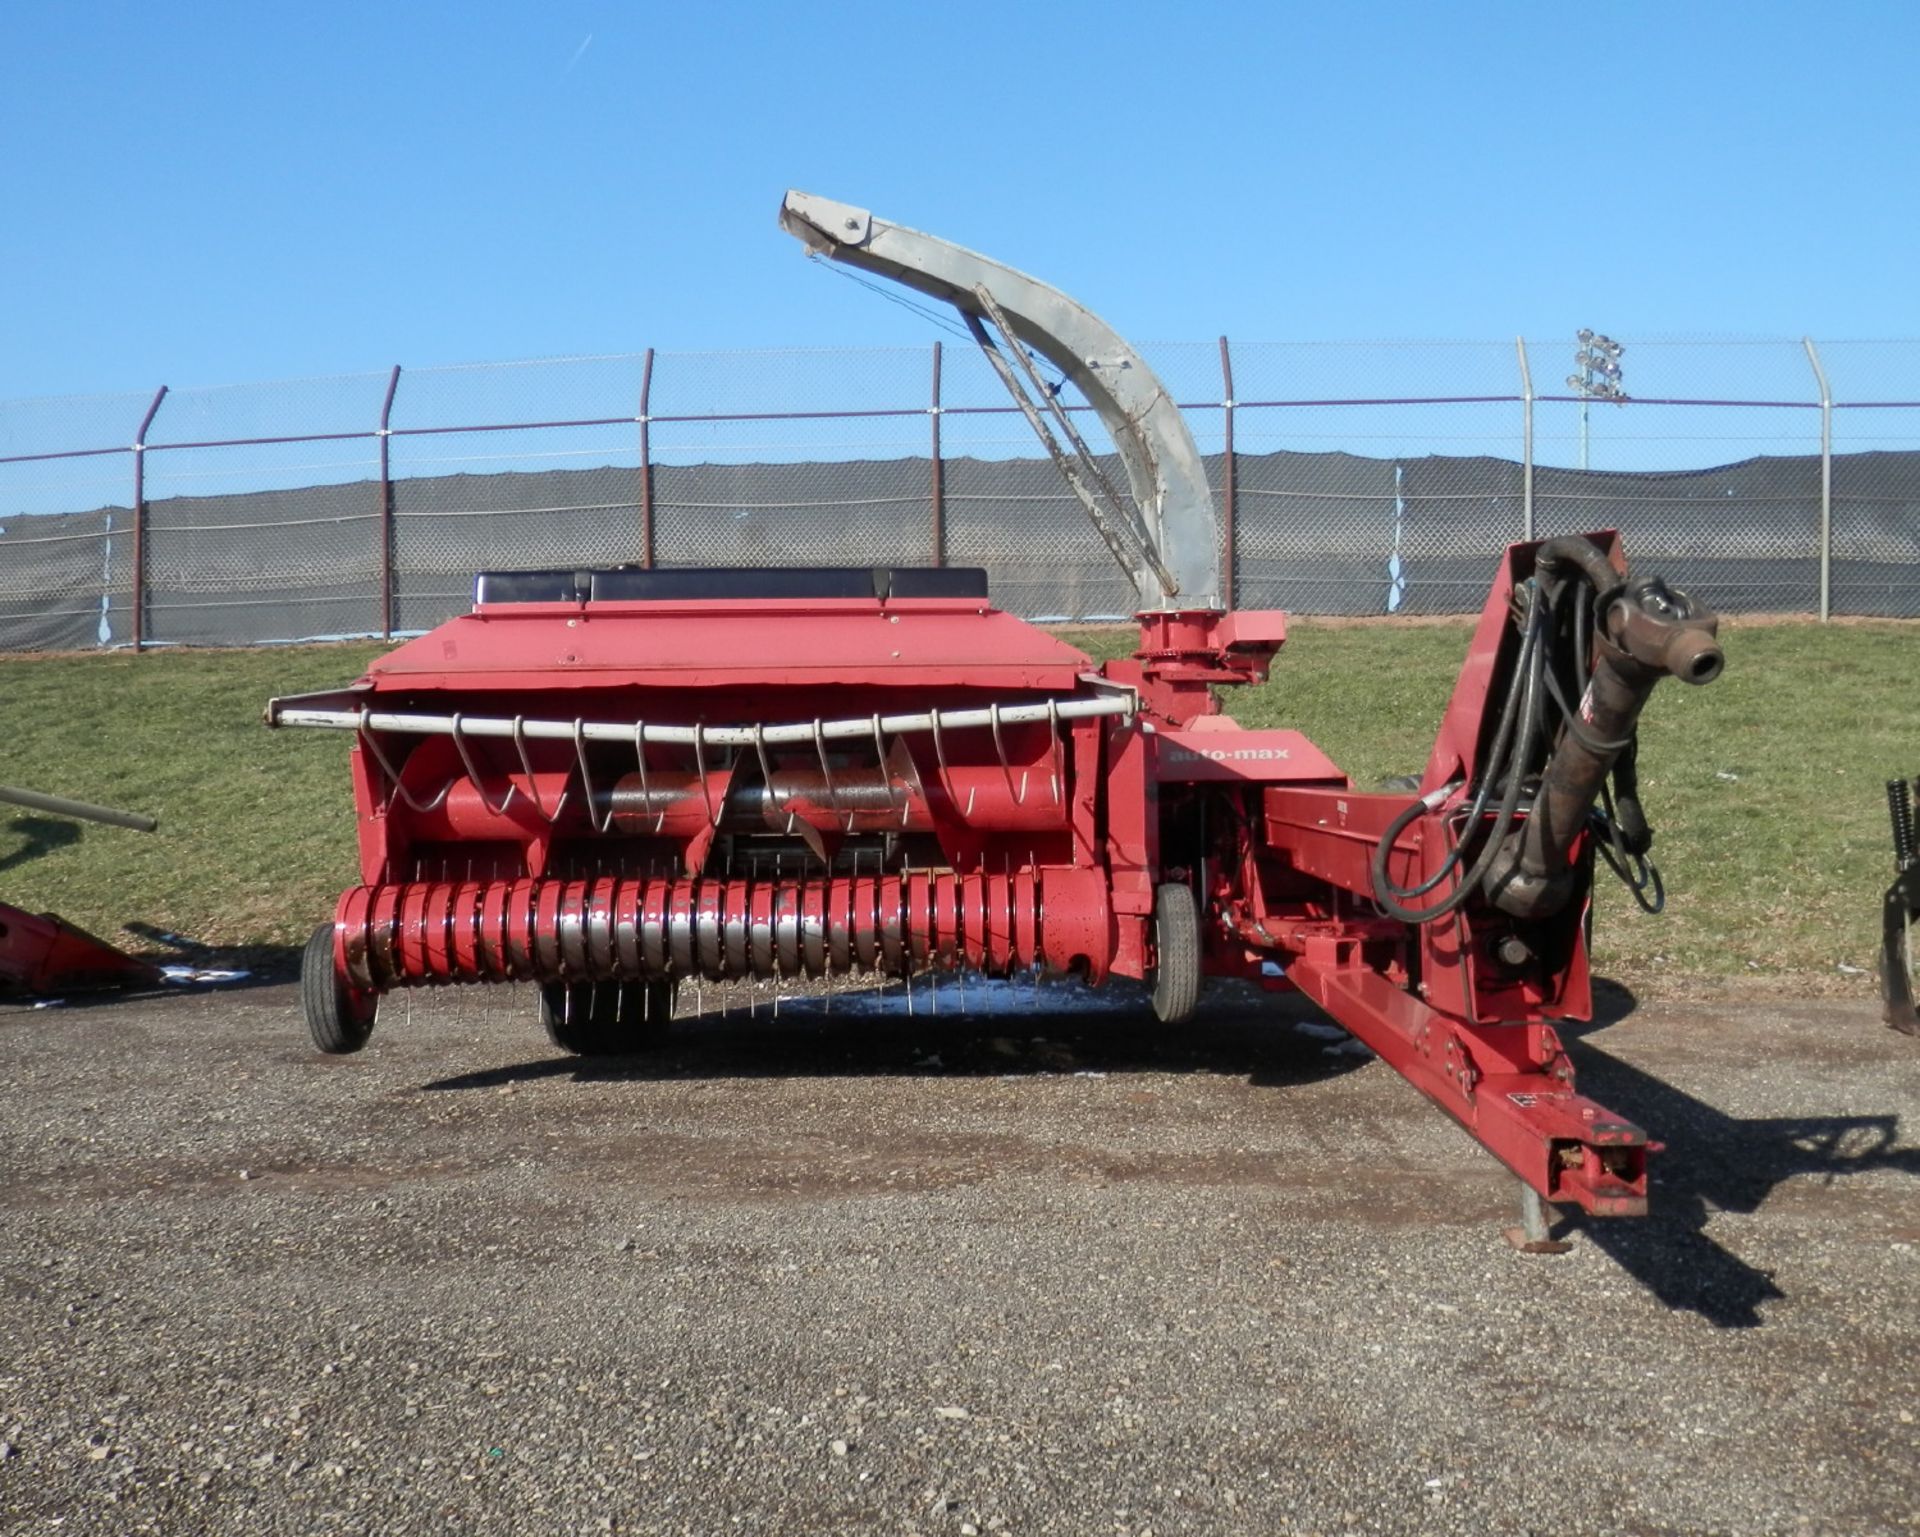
point(729, 643)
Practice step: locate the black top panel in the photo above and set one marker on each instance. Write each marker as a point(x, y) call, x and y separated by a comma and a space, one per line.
point(697, 583)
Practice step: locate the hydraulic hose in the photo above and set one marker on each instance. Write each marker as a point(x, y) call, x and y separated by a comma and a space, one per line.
point(1522, 703)
point(1621, 637)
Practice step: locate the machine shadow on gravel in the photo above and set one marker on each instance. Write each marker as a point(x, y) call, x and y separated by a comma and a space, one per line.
point(1716, 1162)
point(862, 1036)
point(1612, 1002)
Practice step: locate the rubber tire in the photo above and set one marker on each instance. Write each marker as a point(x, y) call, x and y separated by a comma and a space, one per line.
point(339, 1024)
point(606, 1019)
point(1177, 976)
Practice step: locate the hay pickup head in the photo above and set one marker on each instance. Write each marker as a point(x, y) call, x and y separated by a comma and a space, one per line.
point(612, 782)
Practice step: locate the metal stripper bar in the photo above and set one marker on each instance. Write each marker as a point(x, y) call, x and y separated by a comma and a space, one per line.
point(283, 713)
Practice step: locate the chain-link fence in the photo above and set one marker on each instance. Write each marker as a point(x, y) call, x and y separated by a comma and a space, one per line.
point(1349, 478)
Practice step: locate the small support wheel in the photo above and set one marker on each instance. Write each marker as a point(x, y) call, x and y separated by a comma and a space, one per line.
point(1176, 938)
point(605, 1019)
point(340, 1018)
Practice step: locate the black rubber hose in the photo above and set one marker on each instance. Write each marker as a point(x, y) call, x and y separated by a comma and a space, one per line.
point(1528, 686)
point(1552, 558)
point(1509, 713)
point(1386, 891)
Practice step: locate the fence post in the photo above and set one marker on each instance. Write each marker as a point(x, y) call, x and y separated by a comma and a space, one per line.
point(1826, 480)
point(385, 436)
point(646, 461)
point(1229, 535)
point(1526, 439)
point(140, 520)
point(939, 474)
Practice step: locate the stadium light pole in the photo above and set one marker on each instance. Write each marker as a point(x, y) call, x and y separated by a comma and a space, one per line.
point(1598, 360)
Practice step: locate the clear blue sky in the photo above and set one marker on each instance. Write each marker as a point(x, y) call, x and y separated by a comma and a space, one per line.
point(200, 193)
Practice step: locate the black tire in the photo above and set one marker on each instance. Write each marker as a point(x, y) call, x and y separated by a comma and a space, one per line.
point(340, 1022)
point(1176, 937)
point(605, 1019)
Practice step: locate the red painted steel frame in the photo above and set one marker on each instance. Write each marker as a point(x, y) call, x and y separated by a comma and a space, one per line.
point(1433, 1000)
point(1509, 1085)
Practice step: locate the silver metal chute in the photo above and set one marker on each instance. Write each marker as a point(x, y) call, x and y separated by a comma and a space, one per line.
point(1178, 563)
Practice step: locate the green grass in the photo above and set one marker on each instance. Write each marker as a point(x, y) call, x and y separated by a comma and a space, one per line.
point(1764, 787)
point(256, 826)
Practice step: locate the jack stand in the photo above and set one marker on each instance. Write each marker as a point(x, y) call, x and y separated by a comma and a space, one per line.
point(1532, 1235)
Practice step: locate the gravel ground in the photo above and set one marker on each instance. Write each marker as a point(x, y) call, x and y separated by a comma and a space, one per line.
point(855, 1271)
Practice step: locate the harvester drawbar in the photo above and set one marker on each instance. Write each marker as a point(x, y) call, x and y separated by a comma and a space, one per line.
point(613, 782)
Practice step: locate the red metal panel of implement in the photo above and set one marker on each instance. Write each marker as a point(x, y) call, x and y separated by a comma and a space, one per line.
point(1224, 756)
point(725, 643)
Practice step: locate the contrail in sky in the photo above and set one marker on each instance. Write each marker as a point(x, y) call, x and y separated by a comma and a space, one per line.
point(578, 54)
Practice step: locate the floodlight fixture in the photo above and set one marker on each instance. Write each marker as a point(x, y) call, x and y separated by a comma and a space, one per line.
point(1598, 360)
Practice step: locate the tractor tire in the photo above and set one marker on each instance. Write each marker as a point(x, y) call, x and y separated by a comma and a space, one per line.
point(1176, 937)
point(605, 1019)
point(339, 1021)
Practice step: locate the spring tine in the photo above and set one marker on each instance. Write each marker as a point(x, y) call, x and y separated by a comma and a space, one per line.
point(1000, 748)
point(766, 774)
point(700, 767)
point(526, 768)
point(826, 773)
point(640, 762)
point(940, 756)
point(586, 780)
point(393, 776)
point(646, 786)
point(473, 771)
point(1054, 748)
point(767, 768)
point(760, 749)
point(880, 754)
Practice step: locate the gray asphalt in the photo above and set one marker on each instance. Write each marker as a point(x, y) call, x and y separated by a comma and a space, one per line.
point(857, 1271)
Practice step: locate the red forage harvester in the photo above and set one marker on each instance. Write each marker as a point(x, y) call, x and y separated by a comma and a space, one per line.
point(612, 782)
